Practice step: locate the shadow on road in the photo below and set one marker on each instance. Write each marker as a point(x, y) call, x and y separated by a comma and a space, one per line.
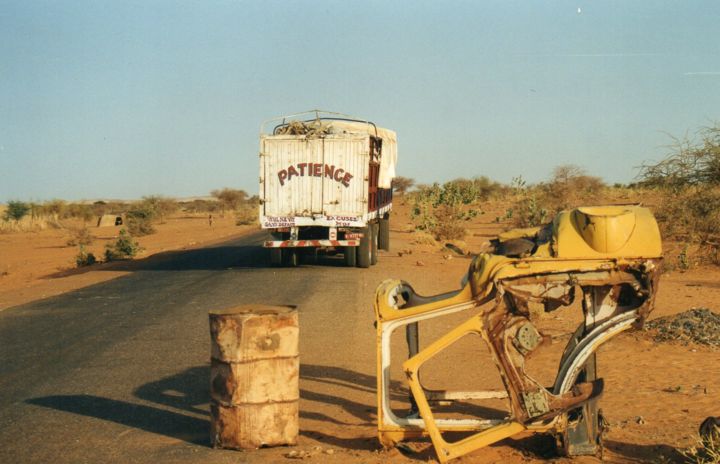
point(201, 259)
point(187, 390)
point(150, 419)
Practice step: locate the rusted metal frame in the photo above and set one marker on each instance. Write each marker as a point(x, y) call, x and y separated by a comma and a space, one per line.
point(576, 359)
point(509, 312)
point(386, 417)
point(444, 449)
point(529, 400)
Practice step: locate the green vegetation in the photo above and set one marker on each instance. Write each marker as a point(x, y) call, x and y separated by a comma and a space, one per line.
point(84, 258)
point(16, 210)
point(570, 186)
point(140, 220)
point(124, 248)
point(442, 210)
point(159, 207)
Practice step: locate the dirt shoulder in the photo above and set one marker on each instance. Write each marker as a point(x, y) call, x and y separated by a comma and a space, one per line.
point(41, 264)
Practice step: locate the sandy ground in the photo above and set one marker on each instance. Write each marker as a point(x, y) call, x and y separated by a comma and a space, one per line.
point(656, 394)
point(35, 265)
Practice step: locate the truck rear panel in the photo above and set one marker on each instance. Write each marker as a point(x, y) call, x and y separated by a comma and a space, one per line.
point(315, 181)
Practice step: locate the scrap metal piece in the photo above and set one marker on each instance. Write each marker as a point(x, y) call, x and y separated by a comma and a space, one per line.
point(535, 403)
point(527, 338)
point(610, 254)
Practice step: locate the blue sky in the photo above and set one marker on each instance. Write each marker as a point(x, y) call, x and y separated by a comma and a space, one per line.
point(119, 99)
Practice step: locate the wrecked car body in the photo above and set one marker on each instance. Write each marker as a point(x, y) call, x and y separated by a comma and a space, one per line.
point(609, 257)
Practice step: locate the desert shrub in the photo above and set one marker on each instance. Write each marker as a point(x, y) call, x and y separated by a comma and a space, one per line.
point(442, 209)
point(80, 236)
point(114, 207)
point(200, 206)
point(691, 161)
point(123, 248)
point(246, 214)
point(568, 187)
point(139, 220)
point(230, 199)
point(706, 450)
point(160, 206)
point(450, 223)
point(84, 258)
point(79, 211)
point(16, 210)
point(527, 212)
point(487, 188)
point(688, 180)
point(55, 208)
point(401, 185)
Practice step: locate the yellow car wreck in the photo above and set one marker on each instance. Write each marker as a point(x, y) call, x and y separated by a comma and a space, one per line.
point(609, 256)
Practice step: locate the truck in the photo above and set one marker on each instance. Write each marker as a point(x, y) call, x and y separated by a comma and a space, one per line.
point(326, 184)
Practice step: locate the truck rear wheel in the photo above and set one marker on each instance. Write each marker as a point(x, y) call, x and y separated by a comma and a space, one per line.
point(350, 256)
point(374, 244)
point(384, 234)
point(275, 256)
point(364, 251)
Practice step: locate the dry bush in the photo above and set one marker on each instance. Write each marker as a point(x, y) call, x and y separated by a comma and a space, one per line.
point(691, 162)
point(705, 451)
point(442, 210)
point(140, 221)
point(55, 208)
point(81, 211)
point(688, 181)
point(201, 206)
point(246, 214)
point(160, 207)
point(230, 199)
point(27, 222)
point(80, 236)
point(423, 238)
point(401, 185)
point(450, 223)
point(569, 187)
point(692, 217)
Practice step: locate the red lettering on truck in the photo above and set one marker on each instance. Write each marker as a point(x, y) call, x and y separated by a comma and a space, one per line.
point(315, 170)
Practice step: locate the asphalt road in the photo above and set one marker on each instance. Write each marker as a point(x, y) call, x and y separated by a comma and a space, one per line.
point(118, 371)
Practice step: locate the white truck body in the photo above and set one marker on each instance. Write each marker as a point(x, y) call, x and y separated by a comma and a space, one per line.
point(326, 183)
point(323, 181)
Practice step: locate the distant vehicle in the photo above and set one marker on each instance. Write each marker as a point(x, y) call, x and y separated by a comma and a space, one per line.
point(326, 182)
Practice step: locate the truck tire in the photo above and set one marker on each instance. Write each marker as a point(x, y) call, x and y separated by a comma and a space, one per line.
point(364, 251)
point(275, 256)
point(384, 234)
point(374, 244)
point(350, 256)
